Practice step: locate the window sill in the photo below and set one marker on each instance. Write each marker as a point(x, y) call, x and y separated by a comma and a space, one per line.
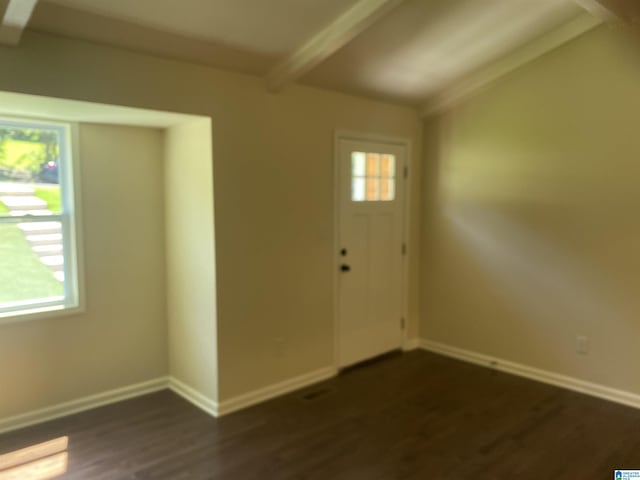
point(40, 313)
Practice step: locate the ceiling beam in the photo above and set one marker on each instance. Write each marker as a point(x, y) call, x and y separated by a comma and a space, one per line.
point(328, 40)
point(3, 7)
point(15, 19)
point(598, 9)
point(626, 10)
point(483, 77)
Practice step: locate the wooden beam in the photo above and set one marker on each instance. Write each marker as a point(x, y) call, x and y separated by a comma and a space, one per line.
point(478, 80)
point(597, 9)
point(328, 40)
point(15, 19)
point(628, 11)
point(3, 7)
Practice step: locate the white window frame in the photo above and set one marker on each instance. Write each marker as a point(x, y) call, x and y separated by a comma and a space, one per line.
point(69, 174)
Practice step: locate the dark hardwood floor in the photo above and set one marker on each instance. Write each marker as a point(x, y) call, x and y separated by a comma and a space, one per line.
point(412, 416)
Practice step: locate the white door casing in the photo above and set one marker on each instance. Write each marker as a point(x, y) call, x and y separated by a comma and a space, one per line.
point(370, 247)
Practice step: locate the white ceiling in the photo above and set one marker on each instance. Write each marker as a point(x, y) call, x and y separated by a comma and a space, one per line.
point(414, 52)
point(424, 46)
point(263, 26)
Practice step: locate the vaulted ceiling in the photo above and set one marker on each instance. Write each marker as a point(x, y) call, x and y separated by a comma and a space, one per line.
point(423, 46)
point(426, 53)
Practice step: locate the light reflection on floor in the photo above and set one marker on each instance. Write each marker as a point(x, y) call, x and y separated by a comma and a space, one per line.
point(42, 461)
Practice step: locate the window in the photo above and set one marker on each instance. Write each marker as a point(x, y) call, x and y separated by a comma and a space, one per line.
point(38, 261)
point(373, 177)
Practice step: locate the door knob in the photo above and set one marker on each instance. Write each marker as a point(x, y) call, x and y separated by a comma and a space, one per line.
point(345, 268)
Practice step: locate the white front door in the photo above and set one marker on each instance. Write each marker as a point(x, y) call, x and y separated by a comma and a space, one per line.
point(370, 249)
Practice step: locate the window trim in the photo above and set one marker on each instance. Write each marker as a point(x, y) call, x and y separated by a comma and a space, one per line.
point(73, 301)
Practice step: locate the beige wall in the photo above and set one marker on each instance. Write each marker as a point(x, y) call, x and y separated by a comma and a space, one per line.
point(121, 338)
point(531, 232)
point(273, 161)
point(190, 256)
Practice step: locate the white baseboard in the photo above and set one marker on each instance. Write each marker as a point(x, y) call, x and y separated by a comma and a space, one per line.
point(180, 388)
point(411, 344)
point(193, 396)
point(266, 393)
point(251, 398)
point(257, 396)
point(81, 404)
point(544, 376)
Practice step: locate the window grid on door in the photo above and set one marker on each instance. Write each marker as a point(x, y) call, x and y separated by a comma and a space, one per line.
point(373, 177)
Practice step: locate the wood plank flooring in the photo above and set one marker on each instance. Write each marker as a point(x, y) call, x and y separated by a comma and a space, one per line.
point(411, 416)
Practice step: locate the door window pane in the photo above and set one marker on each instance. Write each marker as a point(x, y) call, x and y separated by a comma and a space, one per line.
point(373, 189)
point(358, 160)
point(387, 189)
point(373, 177)
point(357, 189)
point(388, 166)
point(373, 165)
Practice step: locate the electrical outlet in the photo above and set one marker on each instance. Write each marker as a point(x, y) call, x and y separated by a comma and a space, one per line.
point(582, 345)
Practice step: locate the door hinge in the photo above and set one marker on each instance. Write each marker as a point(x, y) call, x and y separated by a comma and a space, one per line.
point(404, 249)
point(402, 323)
point(406, 171)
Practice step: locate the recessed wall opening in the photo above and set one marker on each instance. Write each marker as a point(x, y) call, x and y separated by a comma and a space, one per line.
point(141, 241)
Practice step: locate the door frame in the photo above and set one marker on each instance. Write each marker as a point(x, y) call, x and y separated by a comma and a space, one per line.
point(406, 210)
